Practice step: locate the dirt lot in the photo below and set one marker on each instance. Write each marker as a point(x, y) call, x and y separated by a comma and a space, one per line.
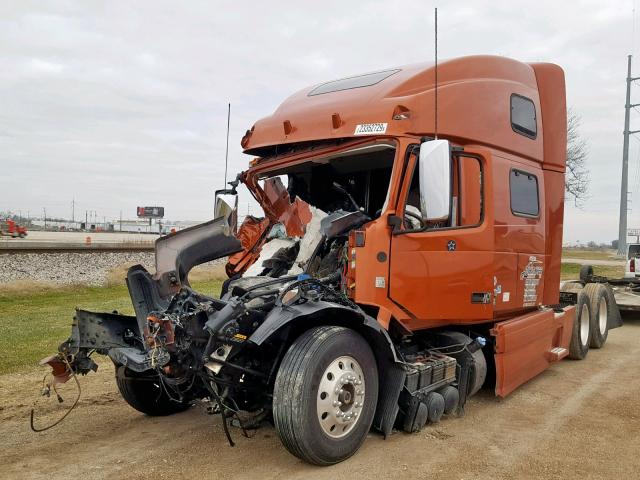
point(577, 420)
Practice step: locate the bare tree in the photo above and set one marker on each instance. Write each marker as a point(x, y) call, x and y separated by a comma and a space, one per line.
point(577, 176)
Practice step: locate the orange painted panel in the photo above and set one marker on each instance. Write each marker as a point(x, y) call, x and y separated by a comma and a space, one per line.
point(523, 346)
point(437, 285)
point(505, 282)
point(531, 270)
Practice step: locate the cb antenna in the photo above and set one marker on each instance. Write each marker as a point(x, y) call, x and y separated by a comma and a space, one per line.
point(436, 72)
point(226, 153)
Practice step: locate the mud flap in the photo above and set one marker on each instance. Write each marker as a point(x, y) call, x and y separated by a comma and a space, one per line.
point(614, 319)
point(390, 387)
point(525, 346)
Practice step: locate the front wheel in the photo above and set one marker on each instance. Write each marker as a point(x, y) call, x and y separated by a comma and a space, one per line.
point(146, 394)
point(325, 395)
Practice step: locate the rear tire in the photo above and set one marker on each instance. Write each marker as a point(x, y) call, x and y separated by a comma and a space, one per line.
point(319, 367)
point(478, 373)
point(600, 309)
point(586, 272)
point(581, 333)
point(145, 394)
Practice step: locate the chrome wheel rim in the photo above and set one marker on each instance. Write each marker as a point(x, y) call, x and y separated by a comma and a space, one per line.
point(584, 324)
point(602, 316)
point(340, 396)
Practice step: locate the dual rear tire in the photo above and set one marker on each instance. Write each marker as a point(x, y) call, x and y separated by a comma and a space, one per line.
point(581, 334)
point(591, 325)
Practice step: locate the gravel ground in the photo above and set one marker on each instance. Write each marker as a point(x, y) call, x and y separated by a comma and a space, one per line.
point(68, 268)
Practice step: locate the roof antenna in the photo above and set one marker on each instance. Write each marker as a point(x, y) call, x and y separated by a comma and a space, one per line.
point(226, 153)
point(436, 72)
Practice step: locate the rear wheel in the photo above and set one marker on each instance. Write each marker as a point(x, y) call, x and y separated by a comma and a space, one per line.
point(581, 334)
point(600, 308)
point(146, 394)
point(477, 361)
point(586, 271)
point(325, 395)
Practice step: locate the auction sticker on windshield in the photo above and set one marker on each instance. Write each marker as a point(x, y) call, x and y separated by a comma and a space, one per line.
point(370, 128)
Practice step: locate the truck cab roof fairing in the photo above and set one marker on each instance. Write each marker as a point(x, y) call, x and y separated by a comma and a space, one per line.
point(480, 86)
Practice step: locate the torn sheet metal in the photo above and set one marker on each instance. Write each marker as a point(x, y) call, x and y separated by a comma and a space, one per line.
point(293, 215)
point(274, 199)
point(252, 235)
point(60, 372)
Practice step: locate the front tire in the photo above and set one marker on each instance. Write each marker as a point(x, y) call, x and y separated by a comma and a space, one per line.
point(325, 395)
point(145, 394)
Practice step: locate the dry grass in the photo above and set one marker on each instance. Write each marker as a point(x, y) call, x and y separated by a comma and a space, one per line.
point(591, 254)
point(208, 272)
point(25, 287)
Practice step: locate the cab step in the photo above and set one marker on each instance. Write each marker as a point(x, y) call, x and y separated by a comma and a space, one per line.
point(556, 354)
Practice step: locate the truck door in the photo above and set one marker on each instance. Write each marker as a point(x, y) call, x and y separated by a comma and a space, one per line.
point(441, 271)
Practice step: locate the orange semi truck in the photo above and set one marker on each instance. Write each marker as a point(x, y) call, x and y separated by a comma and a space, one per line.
point(407, 257)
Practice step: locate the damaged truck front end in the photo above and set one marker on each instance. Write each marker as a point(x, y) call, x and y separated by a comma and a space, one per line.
point(288, 278)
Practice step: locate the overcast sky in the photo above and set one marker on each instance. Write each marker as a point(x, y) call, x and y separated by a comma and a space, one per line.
point(118, 104)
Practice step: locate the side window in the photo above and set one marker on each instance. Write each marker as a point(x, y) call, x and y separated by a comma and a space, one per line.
point(523, 116)
point(467, 197)
point(470, 204)
point(524, 193)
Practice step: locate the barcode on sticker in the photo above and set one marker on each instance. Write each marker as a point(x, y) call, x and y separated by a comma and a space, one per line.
point(370, 128)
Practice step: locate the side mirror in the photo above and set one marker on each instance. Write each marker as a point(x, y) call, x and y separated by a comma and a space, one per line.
point(434, 165)
point(226, 205)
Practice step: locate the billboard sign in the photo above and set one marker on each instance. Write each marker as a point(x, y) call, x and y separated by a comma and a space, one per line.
point(150, 212)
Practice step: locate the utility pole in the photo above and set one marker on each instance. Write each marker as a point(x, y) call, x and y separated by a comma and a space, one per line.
point(624, 184)
point(73, 210)
point(120, 220)
point(44, 210)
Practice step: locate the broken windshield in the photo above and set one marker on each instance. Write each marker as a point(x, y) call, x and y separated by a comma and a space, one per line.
point(357, 179)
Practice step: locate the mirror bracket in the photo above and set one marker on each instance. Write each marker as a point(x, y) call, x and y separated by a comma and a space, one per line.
point(395, 222)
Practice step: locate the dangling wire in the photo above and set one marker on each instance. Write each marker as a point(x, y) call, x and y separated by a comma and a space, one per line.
point(222, 408)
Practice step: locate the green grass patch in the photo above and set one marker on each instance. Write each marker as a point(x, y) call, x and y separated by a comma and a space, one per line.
point(33, 324)
point(571, 271)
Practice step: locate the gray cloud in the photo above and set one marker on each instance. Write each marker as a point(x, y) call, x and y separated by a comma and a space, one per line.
point(118, 104)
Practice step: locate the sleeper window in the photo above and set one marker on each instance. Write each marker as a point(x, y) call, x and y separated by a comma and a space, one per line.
point(524, 193)
point(523, 116)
